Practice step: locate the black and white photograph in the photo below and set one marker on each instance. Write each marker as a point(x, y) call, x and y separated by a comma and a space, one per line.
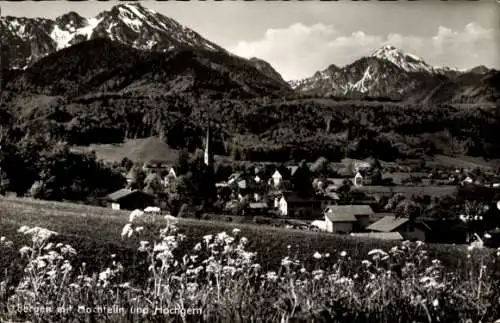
point(250, 161)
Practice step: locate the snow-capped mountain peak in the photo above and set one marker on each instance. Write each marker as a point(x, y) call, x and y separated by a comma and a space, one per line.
point(405, 61)
point(29, 39)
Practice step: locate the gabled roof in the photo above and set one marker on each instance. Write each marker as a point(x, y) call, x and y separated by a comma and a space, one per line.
point(242, 184)
point(332, 195)
point(351, 209)
point(337, 182)
point(235, 175)
point(293, 169)
point(379, 235)
point(346, 213)
point(340, 217)
point(151, 177)
point(258, 205)
point(121, 193)
point(293, 198)
point(387, 224)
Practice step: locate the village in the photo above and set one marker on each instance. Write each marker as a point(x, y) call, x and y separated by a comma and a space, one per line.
point(361, 198)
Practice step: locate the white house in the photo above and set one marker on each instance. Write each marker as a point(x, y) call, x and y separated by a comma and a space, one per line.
point(276, 178)
point(467, 180)
point(358, 179)
point(172, 175)
point(346, 218)
point(294, 206)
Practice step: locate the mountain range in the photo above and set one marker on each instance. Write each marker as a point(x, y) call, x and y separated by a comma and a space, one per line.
point(133, 49)
point(391, 73)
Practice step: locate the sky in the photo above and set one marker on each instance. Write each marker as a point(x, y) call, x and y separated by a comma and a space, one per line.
point(300, 38)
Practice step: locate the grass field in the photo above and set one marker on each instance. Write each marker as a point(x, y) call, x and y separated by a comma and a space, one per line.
point(137, 150)
point(462, 162)
point(95, 232)
point(410, 190)
point(224, 280)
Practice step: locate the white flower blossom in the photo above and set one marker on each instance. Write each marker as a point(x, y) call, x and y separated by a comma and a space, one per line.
point(127, 229)
point(317, 255)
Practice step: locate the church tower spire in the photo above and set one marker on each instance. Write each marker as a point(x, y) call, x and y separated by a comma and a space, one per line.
point(208, 158)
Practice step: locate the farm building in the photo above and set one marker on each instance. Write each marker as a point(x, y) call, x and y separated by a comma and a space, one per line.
point(346, 218)
point(292, 205)
point(258, 208)
point(127, 199)
point(157, 165)
point(333, 184)
point(417, 230)
point(234, 177)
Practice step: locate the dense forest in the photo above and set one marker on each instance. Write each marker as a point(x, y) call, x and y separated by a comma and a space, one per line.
point(269, 129)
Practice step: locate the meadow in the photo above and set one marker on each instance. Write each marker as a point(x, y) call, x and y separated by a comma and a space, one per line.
point(235, 272)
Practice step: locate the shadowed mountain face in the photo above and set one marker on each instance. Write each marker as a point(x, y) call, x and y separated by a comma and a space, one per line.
point(102, 65)
point(389, 72)
point(29, 39)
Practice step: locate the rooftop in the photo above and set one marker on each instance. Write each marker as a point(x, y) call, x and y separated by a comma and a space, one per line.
point(387, 224)
point(346, 213)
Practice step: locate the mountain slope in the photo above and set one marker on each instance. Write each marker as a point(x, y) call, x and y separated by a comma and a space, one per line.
point(390, 73)
point(27, 40)
point(102, 65)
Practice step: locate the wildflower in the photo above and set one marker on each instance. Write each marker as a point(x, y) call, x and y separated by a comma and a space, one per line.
point(39, 235)
point(66, 267)
point(207, 238)
point(286, 261)
point(243, 241)
point(229, 269)
point(236, 231)
point(272, 276)
point(367, 263)
point(317, 255)
point(303, 270)
point(49, 246)
point(135, 214)
point(192, 287)
point(289, 246)
point(256, 266)
point(222, 236)
point(2, 239)
point(125, 285)
point(327, 255)
point(23, 229)
point(126, 230)
point(197, 247)
point(318, 274)
point(143, 246)
point(24, 250)
point(343, 254)
point(139, 229)
point(487, 236)
point(40, 264)
point(52, 274)
point(229, 240)
point(68, 250)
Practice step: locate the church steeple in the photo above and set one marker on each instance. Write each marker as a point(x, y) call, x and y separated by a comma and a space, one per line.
point(208, 158)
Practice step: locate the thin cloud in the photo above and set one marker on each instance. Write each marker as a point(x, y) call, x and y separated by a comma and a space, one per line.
point(299, 50)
